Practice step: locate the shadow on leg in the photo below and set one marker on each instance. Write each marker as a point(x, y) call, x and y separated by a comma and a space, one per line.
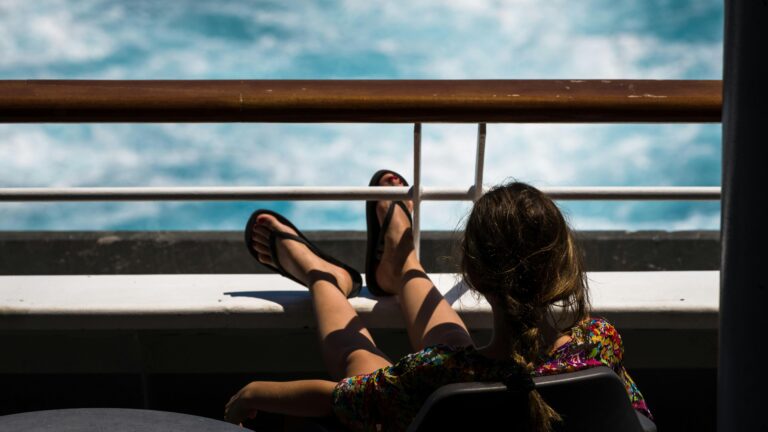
point(430, 319)
point(353, 351)
point(347, 346)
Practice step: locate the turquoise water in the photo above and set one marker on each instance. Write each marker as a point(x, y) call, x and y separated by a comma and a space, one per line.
point(184, 39)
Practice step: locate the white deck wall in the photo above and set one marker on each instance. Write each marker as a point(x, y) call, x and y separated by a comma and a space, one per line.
point(264, 323)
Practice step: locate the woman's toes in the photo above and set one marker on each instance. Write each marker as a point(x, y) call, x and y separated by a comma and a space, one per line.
point(390, 179)
point(261, 236)
point(266, 259)
point(266, 221)
point(260, 243)
point(261, 232)
point(261, 248)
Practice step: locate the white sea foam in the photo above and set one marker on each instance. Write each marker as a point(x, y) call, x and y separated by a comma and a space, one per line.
point(350, 39)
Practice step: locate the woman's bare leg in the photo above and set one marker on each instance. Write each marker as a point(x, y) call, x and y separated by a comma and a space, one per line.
point(347, 346)
point(429, 318)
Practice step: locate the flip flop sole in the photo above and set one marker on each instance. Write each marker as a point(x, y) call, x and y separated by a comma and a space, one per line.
point(357, 280)
point(374, 229)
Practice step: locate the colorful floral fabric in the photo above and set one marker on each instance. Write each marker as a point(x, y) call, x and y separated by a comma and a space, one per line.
point(389, 398)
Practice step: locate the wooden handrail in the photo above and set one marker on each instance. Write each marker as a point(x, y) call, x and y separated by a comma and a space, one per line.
point(353, 101)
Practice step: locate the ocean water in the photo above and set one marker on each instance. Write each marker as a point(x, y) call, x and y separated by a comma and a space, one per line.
point(429, 39)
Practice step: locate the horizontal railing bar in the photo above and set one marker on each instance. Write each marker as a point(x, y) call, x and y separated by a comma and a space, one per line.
point(337, 193)
point(674, 193)
point(369, 101)
point(597, 193)
point(262, 193)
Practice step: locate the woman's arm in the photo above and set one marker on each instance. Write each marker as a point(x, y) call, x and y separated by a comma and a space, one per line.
point(305, 398)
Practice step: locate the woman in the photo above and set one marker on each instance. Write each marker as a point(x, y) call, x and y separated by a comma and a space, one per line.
point(517, 251)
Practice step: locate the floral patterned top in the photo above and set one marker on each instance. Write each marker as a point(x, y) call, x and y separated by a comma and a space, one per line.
point(389, 398)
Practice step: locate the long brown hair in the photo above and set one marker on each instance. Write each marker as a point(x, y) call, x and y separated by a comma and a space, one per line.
point(520, 254)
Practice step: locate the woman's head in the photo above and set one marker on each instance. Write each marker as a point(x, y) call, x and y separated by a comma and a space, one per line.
point(518, 251)
point(520, 254)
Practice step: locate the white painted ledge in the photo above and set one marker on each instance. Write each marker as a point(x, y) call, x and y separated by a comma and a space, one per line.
point(642, 300)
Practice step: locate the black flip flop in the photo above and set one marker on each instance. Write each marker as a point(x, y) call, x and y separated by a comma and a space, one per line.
point(357, 280)
point(375, 246)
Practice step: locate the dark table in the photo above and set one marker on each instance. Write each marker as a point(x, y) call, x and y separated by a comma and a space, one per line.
point(111, 420)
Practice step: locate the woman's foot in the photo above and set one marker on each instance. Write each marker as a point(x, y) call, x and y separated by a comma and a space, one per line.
point(295, 257)
point(399, 254)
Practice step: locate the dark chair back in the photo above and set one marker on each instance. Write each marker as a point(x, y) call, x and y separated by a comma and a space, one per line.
point(592, 399)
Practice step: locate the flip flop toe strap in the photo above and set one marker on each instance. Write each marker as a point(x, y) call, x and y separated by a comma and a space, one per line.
point(273, 237)
point(385, 225)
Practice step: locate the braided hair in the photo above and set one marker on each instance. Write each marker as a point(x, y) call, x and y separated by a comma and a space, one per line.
point(520, 254)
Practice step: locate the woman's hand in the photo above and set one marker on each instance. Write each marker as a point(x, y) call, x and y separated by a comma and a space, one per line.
point(242, 405)
point(304, 398)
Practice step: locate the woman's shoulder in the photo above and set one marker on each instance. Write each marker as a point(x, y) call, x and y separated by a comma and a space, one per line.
point(594, 342)
point(596, 325)
point(600, 337)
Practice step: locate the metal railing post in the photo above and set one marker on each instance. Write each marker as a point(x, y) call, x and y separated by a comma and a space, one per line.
point(416, 188)
point(477, 190)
